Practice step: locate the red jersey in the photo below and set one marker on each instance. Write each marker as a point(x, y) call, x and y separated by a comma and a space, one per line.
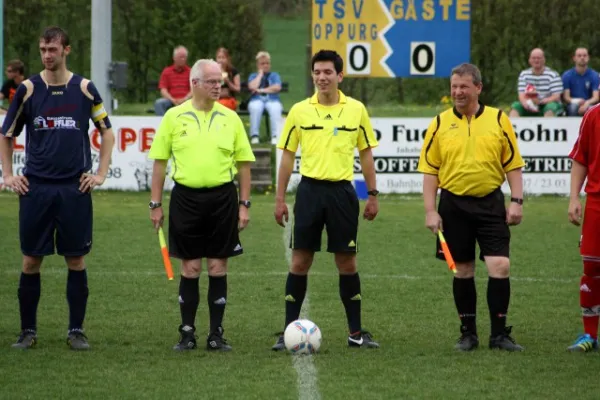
point(177, 82)
point(586, 150)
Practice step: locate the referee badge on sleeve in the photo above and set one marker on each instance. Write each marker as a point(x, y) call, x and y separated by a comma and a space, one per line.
point(335, 131)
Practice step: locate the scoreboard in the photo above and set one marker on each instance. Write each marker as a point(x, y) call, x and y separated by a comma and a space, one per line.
point(394, 38)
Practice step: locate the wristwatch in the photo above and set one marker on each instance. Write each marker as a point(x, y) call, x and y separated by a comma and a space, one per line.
point(373, 192)
point(516, 200)
point(245, 203)
point(154, 204)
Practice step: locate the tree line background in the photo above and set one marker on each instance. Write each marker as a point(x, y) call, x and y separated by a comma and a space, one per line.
point(144, 33)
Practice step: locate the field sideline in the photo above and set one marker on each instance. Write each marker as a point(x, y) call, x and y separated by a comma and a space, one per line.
point(133, 316)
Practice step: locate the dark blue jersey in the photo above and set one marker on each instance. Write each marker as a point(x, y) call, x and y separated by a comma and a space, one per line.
point(57, 119)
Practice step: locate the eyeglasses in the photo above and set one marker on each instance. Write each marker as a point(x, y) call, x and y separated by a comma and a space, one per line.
point(213, 82)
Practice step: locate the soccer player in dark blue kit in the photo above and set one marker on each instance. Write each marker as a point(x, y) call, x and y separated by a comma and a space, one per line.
point(55, 106)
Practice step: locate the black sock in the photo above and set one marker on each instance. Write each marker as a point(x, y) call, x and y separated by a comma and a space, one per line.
point(465, 298)
point(77, 295)
point(189, 297)
point(350, 294)
point(498, 296)
point(29, 297)
point(217, 299)
point(295, 291)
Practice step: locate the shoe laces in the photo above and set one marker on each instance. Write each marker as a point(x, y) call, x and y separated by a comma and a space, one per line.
point(584, 338)
point(24, 333)
point(364, 334)
point(506, 335)
point(78, 333)
point(218, 334)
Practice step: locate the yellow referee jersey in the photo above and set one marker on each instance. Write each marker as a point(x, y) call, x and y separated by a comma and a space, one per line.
point(328, 136)
point(204, 146)
point(470, 158)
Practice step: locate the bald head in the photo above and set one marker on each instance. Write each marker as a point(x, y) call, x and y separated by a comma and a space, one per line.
point(180, 55)
point(537, 59)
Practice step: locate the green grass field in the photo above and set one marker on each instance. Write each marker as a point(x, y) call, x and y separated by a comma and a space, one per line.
point(133, 315)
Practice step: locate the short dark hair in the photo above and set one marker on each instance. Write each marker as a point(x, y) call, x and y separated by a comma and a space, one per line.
point(468, 69)
point(52, 33)
point(16, 66)
point(328, 55)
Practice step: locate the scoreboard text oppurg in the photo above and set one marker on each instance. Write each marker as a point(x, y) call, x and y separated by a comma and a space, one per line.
point(394, 38)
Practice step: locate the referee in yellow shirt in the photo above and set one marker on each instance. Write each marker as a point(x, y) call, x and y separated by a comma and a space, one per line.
point(206, 142)
point(329, 126)
point(468, 152)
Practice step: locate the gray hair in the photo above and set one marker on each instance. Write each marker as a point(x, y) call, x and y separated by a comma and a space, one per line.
point(468, 69)
point(264, 54)
point(180, 48)
point(197, 70)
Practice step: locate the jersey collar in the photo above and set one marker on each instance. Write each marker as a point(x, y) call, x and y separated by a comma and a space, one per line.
point(479, 112)
point(315, 100)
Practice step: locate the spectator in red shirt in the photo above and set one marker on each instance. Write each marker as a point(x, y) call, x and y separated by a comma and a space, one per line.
point(174, 82)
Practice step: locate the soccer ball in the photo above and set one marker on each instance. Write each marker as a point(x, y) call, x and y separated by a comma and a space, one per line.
point(302, 337)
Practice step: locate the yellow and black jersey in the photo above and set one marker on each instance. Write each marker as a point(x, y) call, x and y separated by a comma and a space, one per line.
point(470, 158)
point(328, 136)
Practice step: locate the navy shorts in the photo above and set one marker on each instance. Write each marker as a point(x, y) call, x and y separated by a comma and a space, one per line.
point(58, 213)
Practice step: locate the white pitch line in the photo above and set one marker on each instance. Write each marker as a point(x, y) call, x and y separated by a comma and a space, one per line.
point(304, 365)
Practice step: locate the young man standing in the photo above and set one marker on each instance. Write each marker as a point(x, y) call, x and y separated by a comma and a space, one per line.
point(328, 127)
point(585, 165)
point(55, 106)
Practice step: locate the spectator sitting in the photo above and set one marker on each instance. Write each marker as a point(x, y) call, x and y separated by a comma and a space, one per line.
point(15, 72)
point(540, 89)
point(174, 82)
point(231, 80)
point(265, 87)
point(580, 84)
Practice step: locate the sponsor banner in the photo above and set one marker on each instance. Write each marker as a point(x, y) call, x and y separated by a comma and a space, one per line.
point(129, 169)
point(544, 143)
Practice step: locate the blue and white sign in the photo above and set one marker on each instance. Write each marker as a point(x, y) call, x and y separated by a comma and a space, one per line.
point(394, 38)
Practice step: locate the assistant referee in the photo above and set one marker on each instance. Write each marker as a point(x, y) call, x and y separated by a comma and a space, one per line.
point(328, 127)
point(206, 142)
point(468, 153)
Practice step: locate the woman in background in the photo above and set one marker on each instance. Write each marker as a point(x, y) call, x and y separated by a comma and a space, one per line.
point(231, 80)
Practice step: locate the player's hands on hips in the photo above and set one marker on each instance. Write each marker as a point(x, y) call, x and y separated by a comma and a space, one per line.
point(371, 208)
point(244, 218)
point(157, 217)
point(433, 221)
point(18, 183)
point(87, 182)
point(514, 214)
point(575, 212)
point(281, 212)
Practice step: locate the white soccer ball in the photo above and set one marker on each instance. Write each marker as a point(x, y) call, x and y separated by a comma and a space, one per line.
point(302, 337)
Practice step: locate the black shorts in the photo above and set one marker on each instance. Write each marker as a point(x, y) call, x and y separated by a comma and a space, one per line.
point(203, 223)
point(467, 220)
point(58, 210)
point(330, 204)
